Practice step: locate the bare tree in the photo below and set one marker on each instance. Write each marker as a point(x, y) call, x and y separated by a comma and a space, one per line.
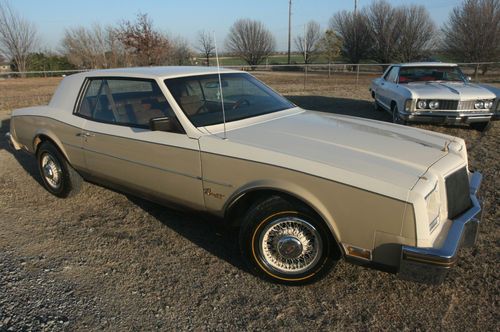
point(251, 41)
point(18, 37)
point(181, 53)
point(206, 45)
point(89, 47)
point(330, 45)
point(472, 32)
point(308, 44)
point(354, 30)
point(385, 24)
point(146, 45)
point(417, 33)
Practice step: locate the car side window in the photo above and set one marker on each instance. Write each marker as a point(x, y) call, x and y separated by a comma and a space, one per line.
point(128, 102)
point(392, 75)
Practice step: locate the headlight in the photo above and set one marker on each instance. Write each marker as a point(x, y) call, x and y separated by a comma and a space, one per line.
point(433, 208)
point(479, 104)
point(421, 104)
point(488, 104)
point(434, 104)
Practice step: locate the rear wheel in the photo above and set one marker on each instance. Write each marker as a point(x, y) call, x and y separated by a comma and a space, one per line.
point(58, 177)
point(285, 242)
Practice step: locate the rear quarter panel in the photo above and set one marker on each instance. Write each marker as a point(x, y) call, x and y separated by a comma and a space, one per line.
point(28, 124)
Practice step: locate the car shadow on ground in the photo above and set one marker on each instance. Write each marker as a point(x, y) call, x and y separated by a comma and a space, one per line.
point(24, 159)
point(203, 230)
point(344, 106)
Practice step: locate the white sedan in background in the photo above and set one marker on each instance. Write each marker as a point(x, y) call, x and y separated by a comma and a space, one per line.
point(434, 92)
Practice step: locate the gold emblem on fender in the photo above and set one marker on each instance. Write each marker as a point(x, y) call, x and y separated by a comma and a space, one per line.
point(209, 192)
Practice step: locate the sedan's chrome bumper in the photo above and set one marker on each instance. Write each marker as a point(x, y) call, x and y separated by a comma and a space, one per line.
point(447, 117)
point(432, 264)
point(12, 142)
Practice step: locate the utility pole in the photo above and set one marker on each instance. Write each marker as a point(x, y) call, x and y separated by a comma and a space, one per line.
point(289, 28)
point(355, 7)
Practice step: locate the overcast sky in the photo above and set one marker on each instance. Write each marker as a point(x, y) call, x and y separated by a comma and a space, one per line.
point(187, 17)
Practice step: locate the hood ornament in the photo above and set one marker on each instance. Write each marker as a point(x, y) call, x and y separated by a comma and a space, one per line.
point(445, 148)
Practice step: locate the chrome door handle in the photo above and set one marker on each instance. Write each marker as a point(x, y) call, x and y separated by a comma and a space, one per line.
point(85, 134)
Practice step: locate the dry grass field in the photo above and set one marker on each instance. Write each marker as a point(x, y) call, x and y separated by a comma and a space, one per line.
point(104, 260)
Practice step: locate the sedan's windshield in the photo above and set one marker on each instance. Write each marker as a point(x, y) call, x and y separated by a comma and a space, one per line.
point(244, 97)
point(431, 73)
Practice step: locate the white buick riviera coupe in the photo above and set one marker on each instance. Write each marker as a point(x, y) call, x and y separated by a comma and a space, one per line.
point(435, 92)
point(305, 188)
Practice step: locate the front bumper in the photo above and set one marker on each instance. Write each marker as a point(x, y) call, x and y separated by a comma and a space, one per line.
point(448, 117)
point(432, 264)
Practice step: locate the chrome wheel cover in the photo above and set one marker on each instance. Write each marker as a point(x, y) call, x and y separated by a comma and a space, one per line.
point(290, 245)
point(51, 171)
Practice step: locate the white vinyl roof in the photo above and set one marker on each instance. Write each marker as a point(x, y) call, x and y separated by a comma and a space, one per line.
point(427, 64)
point(156, 72)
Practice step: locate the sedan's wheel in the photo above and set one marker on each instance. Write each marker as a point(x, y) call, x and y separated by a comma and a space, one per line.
point(289, 245)
point(285, 243)
point(481, 126)
point(396, 117)
point(58, 177)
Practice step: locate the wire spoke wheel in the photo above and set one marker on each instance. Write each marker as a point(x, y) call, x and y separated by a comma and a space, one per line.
point(290, 245)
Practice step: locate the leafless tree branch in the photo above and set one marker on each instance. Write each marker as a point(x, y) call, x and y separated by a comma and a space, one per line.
point(206, 45)
point(308, 44)
point(472, 32)
point(18, 37)
point(251, 41)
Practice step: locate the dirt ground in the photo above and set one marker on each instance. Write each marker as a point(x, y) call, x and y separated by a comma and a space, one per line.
point(103, 260)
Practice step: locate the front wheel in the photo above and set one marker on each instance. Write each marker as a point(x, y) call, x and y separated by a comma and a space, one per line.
point(480, 126)
point(396, 117)
point(286, 243)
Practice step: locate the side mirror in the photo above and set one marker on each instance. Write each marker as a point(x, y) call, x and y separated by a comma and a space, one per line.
point(162, 124)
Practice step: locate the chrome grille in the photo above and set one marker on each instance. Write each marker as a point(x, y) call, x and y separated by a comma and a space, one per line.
point(457, 193)
point(448, 104)
point(466, 105)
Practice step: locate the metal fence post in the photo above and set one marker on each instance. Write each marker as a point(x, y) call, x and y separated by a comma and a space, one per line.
point(305, 76)
point(329, 69)
point(357, 75)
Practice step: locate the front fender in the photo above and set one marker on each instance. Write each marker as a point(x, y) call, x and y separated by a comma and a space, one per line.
point(291, 189)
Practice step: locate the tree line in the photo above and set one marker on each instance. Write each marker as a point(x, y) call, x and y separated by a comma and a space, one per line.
point(378, 33)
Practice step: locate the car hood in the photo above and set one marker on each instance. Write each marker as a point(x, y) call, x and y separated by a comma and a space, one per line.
point(448, 90)
point(341, 148)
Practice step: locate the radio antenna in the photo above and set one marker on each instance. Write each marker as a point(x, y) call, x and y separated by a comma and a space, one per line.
point(220, 87)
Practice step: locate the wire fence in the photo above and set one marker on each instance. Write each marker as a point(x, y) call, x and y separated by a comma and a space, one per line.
point(478, 69)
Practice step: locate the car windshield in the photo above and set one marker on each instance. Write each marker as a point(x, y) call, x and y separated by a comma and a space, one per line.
point(244, 97)
point(430, 73)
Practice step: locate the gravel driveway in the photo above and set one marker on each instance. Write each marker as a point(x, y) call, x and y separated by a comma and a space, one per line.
point(104, 260)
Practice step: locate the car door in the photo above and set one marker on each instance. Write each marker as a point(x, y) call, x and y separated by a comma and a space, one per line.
point(120, 149)
point(387, 86)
